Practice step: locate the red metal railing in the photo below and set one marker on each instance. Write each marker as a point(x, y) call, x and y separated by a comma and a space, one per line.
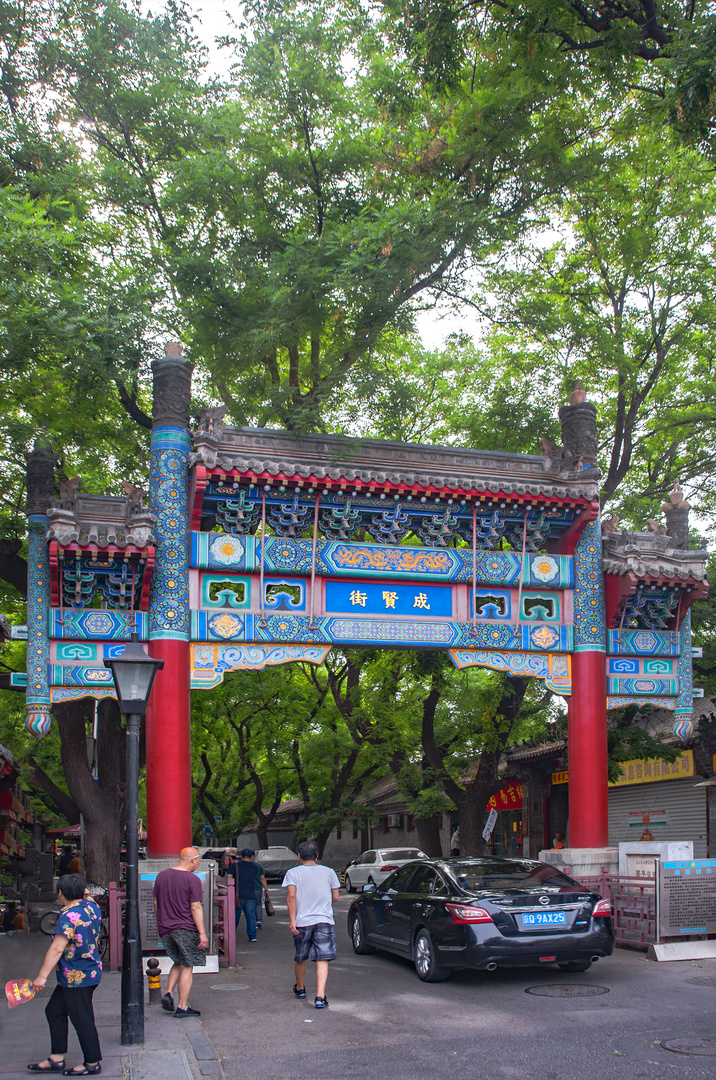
point(633, 901)
point(224, 928)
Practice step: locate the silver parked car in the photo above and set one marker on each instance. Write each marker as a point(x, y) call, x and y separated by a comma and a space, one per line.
point(373, 867)
point(276, 861)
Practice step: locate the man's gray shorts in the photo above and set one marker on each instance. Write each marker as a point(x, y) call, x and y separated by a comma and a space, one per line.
point(317, 942)
point(182, 947)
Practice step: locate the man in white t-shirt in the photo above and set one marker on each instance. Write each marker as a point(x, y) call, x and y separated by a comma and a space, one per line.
point(312, 891)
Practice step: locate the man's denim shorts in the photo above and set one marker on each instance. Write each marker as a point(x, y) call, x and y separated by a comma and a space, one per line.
point(317, 942)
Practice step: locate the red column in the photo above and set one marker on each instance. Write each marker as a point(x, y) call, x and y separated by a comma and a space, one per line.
point(588, 773)
point(168, 736)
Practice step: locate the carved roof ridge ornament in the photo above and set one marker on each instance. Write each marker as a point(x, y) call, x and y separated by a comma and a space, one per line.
point(676, 499)
point(579, 435)
point(171, 386)
point(578, 395)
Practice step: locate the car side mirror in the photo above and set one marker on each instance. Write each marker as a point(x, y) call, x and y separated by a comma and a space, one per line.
point(370, 887)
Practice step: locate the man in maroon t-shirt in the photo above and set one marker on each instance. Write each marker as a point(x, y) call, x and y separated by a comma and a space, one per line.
point(180, 922)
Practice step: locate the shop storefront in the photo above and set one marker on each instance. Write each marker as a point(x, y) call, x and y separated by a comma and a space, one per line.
point(507, 834)
point(658, 800)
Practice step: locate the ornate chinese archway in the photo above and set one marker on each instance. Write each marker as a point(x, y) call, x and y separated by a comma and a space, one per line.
point(258, 548)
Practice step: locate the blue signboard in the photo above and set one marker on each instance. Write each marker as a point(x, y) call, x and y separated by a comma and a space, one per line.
point(390, 598)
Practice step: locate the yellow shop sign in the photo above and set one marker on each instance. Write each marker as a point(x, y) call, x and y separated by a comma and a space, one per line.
point(644, 772)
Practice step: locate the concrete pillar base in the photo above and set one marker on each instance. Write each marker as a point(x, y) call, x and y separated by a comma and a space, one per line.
point(582, 862)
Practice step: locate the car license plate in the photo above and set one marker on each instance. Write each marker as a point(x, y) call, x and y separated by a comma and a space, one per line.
point(544, 918)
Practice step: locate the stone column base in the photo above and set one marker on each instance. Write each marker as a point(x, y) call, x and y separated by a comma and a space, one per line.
point(582, 862)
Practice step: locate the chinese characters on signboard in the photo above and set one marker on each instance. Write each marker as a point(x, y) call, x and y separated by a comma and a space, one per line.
point(686, 898)
point(373, 598)
point(643, 772)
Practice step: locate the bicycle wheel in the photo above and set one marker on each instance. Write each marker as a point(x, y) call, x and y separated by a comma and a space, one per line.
point(103, 941)
point(48, 922)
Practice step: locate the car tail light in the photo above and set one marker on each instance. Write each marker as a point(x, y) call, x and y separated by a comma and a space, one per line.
point(388, 868)
point(466, 913)
point(547, 959)
point(602, 907)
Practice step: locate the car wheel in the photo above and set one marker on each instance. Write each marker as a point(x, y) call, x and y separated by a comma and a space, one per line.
point(574, 966)
point(358, 937)
point(425, 960)
point(347, 884)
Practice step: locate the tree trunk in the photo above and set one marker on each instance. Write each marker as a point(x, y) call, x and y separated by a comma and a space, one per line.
point(55, 796)
point(471, 801)
point(322, 840)
point(262, 833)
point(473, 815)
point(429, 836)
point(101, 802)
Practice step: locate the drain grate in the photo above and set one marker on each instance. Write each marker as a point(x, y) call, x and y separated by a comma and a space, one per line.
point(562, 990)
point(231, 986)
point(697, 1047)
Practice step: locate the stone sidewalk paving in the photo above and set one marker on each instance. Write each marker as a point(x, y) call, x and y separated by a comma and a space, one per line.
point(173, 1049)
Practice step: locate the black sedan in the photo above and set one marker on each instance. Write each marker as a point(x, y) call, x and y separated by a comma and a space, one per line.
point(482, 913)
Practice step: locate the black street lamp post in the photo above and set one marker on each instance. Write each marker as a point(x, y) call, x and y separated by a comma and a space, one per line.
point(133, 673)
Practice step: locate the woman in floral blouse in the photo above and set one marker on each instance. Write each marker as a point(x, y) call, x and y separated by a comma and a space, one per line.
point(75, 952)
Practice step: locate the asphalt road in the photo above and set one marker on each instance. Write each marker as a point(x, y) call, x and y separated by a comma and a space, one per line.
point(383, 1022)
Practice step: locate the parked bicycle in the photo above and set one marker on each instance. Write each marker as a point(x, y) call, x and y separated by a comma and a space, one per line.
point(100, 895)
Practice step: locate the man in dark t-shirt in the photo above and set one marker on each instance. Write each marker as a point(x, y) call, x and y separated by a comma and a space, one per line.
point(180, 922)
point(66, 858)
point(247, 876)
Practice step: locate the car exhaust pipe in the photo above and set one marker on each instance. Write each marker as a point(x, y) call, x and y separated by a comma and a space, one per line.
point(492, 966)
point(593, 959)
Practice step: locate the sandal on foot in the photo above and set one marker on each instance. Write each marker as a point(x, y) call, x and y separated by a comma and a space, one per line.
point(321, 1002)
point(54, 1066)
point(299, 993)
point(85, 1070)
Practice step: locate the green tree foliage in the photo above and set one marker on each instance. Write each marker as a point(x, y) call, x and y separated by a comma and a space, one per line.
point(300, 212)
point(663, 50)
point(617, 288)
point(288, 224)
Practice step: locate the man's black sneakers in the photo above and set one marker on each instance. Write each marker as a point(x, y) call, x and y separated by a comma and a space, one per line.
point(168, 1002)
point(299, 993)
point(320, 1003)
point(180, 1014)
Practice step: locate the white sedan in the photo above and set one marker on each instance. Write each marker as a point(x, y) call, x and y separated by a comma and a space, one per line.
point(373, 867)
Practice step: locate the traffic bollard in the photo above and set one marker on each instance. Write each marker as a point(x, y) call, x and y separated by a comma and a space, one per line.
point(154, 980)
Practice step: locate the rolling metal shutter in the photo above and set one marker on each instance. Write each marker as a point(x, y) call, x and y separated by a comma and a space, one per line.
point(683, 805)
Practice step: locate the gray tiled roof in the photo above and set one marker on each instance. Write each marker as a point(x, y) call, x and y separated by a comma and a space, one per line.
point(647, 555)
point(375, 461)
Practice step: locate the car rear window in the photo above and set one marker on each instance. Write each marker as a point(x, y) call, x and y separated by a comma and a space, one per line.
point(495, 874)
point(401, 853)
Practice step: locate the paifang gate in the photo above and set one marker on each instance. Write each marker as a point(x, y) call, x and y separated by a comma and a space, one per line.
point(258, 548)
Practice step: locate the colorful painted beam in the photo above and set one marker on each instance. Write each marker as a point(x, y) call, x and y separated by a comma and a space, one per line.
point(643, 643)
point(375, 631)
point(96, 625)
point(222, 551)
point(554, 668)
point(209, 663)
